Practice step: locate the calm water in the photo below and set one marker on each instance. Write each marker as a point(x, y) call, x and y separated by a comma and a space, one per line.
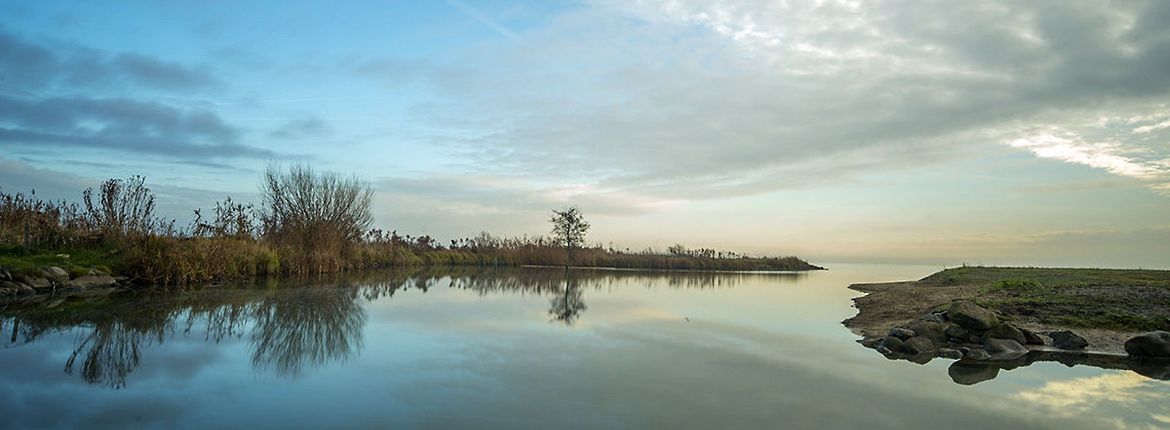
point(525, 348)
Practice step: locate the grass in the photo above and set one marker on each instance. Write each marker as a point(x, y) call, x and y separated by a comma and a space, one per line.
point(77, 262)
point(1116, 299)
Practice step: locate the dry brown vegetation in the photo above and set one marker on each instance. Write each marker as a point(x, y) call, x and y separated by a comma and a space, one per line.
point(308, 222)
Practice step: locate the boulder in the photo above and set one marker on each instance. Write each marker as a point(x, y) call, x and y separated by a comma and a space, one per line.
point(918, 345)
point(38, 283)
point(956, 333)
point(977, 355)
point(1004, 349)
point(950, 353)
point(1030, 337)
point(92, 281)
point(883, 350)
point(1067, 340)
point(932, 317)
point(892, 343)
point(902, 333)
point(56, 274)
point(1150, 345)
point(934, 331)
point(968, 373)
point(1005, 331)
point(971, 316)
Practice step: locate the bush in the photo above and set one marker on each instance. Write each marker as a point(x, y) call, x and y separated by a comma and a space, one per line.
point(315, 219)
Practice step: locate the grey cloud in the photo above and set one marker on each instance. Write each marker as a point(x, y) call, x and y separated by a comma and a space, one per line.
point(840, 92)
point(31, 66)
point(302, 128)
point(121, 124)
point(152, 71)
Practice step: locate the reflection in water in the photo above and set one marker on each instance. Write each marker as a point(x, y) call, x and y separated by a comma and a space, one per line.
point(109, 354)
point(291, 326)
point(967, 372)
point(1122, 390)
point(566, 306)
point(314, 327)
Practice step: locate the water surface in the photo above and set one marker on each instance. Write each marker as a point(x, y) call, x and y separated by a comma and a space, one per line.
point(519, 348)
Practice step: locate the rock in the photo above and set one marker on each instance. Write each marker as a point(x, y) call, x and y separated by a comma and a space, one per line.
point(39, 283)
point(950, 353)
point(8, 291)
point(23, 289)
point(872, 342)
point(5, 276)
point(918, 345)
point(932, 317)
point(977, 355)
point(971, 316)
point(1004, 349)
point(934, 331)
point(902, 333)
point(1067, 340)
point(883, 350)
point(92, 281)
point(956, 333)
point(892, 343)
point(1005, 331)
point(1030, 337)
point(967, 373)
point(1152, 344)
point(56, 274)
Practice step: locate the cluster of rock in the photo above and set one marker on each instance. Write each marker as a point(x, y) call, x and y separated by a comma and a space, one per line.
point(51, 279)
point(968, 331)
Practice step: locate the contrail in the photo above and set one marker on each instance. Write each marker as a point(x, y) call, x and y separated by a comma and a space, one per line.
point(486, 20)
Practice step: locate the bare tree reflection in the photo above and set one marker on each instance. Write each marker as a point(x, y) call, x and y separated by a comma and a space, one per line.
point(311, 328)
point(566, 306)
point(108, 354)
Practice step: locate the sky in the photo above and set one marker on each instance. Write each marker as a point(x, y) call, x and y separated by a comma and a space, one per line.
point(934, 132)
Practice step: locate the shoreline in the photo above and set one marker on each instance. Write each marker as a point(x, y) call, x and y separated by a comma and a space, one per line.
point(887, 305)
point(53, 280)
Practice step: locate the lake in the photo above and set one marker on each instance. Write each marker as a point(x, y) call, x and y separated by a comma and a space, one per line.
point(529, 348)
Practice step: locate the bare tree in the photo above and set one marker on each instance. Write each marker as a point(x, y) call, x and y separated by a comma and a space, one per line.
point(568, 230)
point(315, 216)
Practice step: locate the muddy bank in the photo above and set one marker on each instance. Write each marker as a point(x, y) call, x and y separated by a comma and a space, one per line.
point(888, 305)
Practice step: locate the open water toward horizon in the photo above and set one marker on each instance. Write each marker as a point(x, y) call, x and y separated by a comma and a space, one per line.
point(519, 349)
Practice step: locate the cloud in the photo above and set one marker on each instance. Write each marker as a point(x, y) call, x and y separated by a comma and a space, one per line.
point(125, 125)
point(31, 67)
point(1106, 155)
point(151, 71)
point(1114, 394)
point(698, 98)
point(301, 128)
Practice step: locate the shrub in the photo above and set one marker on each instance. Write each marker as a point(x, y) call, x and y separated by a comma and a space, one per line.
point(315, 219)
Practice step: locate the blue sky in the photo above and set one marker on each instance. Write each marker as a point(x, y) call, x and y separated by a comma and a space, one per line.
point(930, 132)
